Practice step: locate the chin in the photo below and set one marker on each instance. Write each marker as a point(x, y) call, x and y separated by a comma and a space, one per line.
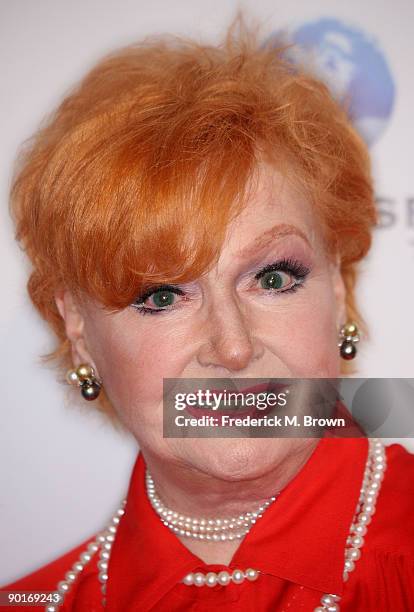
point(236, 459)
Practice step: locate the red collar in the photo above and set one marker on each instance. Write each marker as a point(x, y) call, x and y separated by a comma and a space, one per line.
point(300, 538)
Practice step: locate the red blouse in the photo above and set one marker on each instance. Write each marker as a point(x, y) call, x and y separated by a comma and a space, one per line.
point(298, 545)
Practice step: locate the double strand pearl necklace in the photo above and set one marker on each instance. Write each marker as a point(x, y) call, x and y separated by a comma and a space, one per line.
point(371, 484)
point(217, 530)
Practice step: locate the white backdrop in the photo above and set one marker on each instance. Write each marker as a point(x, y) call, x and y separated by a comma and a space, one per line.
point(63, 471)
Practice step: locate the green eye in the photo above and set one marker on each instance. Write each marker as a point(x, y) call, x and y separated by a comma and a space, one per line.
point(272, 280)
point(159, 299)
point(163, 298)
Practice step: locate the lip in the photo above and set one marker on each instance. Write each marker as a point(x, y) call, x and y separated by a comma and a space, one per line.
point(251, 411)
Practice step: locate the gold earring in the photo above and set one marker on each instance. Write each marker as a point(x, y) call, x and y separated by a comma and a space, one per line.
point(348, 337)
point(84, 376)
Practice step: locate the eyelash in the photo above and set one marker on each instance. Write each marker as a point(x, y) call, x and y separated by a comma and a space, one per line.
point(288, 265)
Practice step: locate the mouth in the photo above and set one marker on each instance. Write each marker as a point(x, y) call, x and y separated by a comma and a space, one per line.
point(234, 409)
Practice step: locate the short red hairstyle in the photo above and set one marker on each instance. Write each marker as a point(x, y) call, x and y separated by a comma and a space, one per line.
point(135, 177)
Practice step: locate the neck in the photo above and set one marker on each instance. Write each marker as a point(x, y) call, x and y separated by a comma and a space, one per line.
point(196, 493)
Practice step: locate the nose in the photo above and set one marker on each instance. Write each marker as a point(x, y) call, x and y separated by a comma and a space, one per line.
point(229, 343)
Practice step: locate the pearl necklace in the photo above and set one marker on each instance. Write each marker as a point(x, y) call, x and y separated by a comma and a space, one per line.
point(201, 528)
point(371, 485)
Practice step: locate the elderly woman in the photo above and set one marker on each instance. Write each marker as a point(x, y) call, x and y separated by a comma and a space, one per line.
point(196, 211)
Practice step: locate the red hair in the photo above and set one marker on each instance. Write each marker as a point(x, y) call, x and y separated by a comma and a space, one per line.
point(135, 177)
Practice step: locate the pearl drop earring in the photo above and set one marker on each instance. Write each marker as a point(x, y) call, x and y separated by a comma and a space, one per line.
point(84, 376)
point(348, 336)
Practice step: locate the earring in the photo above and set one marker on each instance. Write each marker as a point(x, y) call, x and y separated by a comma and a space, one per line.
point(84, 376)
point(348, 337)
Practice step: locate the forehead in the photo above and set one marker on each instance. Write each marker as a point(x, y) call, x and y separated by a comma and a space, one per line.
point(276, 207)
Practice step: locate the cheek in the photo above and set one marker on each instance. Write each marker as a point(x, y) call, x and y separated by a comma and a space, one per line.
point(318, 354)
point(307, 343)
point(133, 361)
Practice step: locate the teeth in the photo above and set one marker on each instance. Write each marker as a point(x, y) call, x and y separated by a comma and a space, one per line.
point(220, 407)
point(232, 406)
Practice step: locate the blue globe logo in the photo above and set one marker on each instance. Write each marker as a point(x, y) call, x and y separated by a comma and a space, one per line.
point(352, 66)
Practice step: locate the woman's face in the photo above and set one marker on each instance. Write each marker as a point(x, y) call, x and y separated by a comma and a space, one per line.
point(225, 324)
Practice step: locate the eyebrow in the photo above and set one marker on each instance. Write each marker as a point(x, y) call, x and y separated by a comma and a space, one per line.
point(277, 231)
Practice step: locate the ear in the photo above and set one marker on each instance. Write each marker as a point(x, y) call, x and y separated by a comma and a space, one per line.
point(339, 293)
point(71, 312)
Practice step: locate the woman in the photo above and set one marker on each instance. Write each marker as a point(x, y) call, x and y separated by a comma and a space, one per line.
point(224, 194)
